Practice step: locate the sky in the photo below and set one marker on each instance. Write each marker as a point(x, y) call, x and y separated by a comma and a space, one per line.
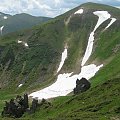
point(48, 8)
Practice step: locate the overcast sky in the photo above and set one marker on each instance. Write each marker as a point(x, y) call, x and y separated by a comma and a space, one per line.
point(49, 8)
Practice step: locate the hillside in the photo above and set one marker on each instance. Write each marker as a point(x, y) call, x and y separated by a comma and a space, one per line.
point(19, 22)
point(31, 59)
point(96, 104)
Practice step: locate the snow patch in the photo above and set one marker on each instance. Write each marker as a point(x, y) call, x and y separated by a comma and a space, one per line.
point(89, 71)
point(111, 22)
point(63, 58)
point(1, 29)
point(80, 11)
point(5, 17)
point(26, 45)
point(103, 16)
point(88, 49)
point(20, 85)
point(19, 41)
point(65, 83)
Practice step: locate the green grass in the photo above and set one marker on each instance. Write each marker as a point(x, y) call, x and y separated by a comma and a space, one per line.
point(36, 66)
point(110, 71)
point(96, 103)
point(46, 43)
point(107, 43)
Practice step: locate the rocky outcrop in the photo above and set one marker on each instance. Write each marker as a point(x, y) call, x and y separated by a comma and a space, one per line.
point(81, 85)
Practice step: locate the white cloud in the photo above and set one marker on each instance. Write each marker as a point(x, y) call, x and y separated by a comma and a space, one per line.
point(57, 2)
point(40, 5)
point(45, 7)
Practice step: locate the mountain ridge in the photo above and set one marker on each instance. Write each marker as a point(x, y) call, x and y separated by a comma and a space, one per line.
point(13, 23)
point(35, 66)
point(70, 26)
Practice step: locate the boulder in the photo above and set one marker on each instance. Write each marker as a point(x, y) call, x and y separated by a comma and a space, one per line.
point(81, 85)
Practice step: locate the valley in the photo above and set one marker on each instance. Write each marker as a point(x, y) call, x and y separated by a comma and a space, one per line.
point(46, 60)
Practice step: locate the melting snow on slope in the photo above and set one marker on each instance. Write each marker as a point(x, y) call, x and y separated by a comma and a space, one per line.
point(20, 85)
point(103, 16)
point(111, 22)
point(5, 17)
point(66, 82)
point(79, 11)
point(19, 41)
point(64, 56)
point(26, 45)
point(1, 29)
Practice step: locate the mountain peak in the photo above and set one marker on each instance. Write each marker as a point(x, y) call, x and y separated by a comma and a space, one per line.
point(93, 5)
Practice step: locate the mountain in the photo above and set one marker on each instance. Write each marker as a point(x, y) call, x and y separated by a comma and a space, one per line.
point(84, 42)
point(18, 22)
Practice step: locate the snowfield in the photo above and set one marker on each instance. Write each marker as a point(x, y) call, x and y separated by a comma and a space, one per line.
point(79, 11)
point(66, 82)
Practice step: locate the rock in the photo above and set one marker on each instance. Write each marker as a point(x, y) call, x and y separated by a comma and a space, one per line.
point(26, 104)
point(81, 86)
point(34, 106)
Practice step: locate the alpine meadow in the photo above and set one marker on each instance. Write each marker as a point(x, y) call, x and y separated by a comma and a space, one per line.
point(44, 57)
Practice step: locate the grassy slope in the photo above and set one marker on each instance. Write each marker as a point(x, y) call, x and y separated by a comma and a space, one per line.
point(46, 43)
point(61, 107)
point(102, 100)
point(99, 103)
point(107, 51)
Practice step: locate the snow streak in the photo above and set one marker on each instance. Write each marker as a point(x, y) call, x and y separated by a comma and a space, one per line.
point(1, 29)
point(20, 85)
point(111, 22)
point(103, 16)
point(64, 56)
point(66, 82)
